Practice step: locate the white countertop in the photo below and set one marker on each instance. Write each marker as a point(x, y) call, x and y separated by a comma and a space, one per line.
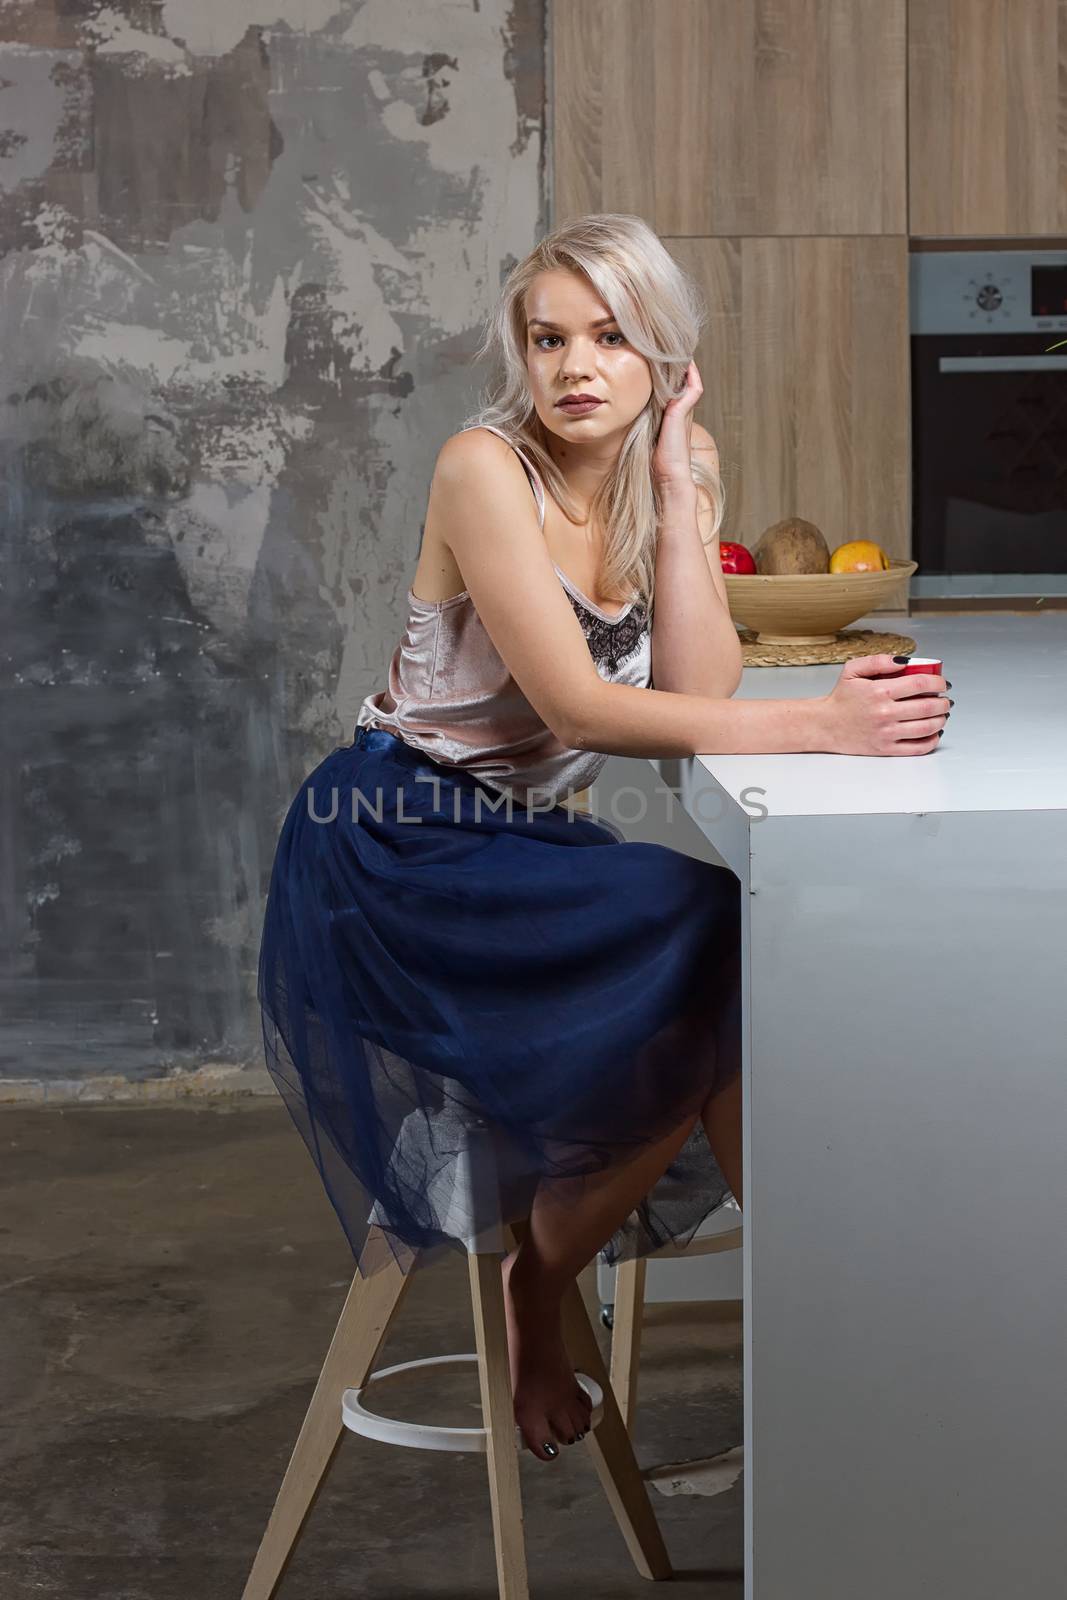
point(1004, 747)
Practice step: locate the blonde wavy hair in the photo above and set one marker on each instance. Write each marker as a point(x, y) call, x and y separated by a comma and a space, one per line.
point(662, 312)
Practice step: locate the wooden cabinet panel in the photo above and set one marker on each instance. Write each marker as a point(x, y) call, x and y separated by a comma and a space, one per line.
point(732, 117)
point(987, 91)
point(806, 378)
point(716, 265)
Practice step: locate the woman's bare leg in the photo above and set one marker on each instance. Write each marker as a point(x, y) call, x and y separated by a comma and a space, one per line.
point(570, 1221)
point(721, 1117)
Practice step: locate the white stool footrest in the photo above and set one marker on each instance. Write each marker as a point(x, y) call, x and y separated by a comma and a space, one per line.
point(421, 1435)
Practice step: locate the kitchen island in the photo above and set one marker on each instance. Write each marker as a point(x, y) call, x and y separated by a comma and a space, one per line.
point(905, 1139)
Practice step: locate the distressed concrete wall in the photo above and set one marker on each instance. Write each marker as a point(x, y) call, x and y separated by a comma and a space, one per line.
point(246, 248)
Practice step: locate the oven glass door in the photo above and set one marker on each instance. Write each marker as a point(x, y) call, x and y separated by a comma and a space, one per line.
point(989, 454)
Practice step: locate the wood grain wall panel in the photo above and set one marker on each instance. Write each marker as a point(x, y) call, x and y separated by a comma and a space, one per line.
point(825, 386)
point(604, 113)
point(715, 264)
point(987, 115)
point(806, 382)
point(578, 80)
point(706, 128)
point(722, 118)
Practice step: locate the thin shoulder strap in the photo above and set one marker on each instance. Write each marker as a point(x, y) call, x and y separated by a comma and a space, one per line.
point(531, 471)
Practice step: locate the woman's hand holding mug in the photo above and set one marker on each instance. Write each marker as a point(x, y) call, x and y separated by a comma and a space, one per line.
point(878, 707)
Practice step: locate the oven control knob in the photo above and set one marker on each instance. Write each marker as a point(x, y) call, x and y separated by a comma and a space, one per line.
point(989, 297)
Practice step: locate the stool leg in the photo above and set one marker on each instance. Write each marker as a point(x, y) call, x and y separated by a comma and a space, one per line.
point(363, 1323)
point(490, 1328)
point(612, 1451)
point(626, 1334)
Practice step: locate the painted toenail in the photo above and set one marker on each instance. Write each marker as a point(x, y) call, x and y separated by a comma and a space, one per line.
point(550, 1450)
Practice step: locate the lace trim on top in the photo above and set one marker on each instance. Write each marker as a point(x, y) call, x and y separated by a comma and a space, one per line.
point(611, 641)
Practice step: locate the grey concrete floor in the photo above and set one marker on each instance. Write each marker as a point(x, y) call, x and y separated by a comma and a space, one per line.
point(170, 1279)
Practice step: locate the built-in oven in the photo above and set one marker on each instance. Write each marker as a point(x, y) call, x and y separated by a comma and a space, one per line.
point(989, 424)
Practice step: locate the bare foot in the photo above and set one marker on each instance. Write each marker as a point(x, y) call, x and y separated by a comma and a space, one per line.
point(550, 1406)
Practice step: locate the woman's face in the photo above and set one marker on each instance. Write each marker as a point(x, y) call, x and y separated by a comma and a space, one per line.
point(574, 346)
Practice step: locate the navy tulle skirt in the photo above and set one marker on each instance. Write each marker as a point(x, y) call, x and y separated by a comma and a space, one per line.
point(437, 971)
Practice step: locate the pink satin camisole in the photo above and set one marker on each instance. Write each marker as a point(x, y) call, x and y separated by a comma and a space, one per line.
point(450, 694)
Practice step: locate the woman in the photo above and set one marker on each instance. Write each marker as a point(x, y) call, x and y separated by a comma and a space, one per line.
point(447, 947)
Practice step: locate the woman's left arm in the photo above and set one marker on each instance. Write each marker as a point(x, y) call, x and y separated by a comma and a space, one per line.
point(695, 645)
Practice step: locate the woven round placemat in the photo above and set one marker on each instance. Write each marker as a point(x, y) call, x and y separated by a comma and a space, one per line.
point(850, 642)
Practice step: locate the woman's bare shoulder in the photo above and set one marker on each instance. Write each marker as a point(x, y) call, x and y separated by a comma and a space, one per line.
point(476, 458)
point(474, 464)
point(471, 449)
point(477, 479)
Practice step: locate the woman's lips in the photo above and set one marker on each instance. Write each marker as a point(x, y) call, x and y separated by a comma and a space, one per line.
point(578, 406)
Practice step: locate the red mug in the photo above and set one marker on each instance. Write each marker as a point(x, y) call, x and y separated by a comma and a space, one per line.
point(918, 664)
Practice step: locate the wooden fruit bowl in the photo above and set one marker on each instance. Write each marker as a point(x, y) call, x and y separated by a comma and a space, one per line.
point(811, 607)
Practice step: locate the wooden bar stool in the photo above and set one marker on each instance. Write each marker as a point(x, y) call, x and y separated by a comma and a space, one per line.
point(630, 1306)
point(339, 1403)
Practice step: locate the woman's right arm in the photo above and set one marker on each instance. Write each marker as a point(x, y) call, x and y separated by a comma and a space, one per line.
point(484, 509)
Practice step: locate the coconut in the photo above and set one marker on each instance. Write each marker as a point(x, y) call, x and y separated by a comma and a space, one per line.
point(792, 545)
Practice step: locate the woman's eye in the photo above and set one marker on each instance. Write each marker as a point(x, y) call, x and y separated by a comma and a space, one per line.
point(611, 334)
